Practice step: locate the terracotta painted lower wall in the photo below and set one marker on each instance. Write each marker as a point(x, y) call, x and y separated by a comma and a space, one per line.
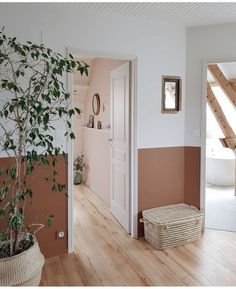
point(192, 176)
point(166, 176)
point(46, 202)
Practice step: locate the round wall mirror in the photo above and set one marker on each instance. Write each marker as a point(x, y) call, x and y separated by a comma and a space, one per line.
point(96, 104)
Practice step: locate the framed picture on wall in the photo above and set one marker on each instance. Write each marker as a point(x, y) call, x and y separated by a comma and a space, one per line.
point(171, 94)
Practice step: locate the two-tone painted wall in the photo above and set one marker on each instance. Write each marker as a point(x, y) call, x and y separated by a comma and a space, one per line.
point(166, 173)
point(213, 43)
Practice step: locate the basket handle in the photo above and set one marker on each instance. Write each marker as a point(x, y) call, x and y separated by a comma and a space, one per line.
point(149, 224)
point(195, 209)
point(166, 227)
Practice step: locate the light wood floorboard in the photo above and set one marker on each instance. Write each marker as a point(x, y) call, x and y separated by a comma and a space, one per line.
point(106, 255)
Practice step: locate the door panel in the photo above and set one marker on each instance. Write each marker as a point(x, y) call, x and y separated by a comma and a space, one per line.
point(119, 186)
point(120, 192)
point(119, 109)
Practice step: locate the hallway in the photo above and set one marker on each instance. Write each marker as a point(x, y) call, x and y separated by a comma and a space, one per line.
point(106, 255)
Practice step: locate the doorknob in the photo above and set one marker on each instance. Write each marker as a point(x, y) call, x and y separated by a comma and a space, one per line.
point(110, 139)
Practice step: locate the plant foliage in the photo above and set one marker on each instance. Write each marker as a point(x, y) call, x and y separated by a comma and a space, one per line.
point(79, 164)
point(32, 100)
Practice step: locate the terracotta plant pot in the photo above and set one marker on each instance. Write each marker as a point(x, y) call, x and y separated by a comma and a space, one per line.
point(23, 269)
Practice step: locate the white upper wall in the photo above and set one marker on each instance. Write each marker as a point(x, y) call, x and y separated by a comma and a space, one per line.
point(160, 50)
point(214, 43)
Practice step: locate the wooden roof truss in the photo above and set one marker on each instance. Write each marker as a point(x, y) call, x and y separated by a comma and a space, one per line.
point(229, 89)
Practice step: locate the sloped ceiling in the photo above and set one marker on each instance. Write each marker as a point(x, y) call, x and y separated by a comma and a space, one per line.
point(213, 128)
point(184, 14)
point(228, 69)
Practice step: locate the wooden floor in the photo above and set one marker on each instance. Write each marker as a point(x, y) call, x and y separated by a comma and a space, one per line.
point(106, 255)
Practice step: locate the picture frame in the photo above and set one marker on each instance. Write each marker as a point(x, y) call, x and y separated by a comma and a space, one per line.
point(171, 94)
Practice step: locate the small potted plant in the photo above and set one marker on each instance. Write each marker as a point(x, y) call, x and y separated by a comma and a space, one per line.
point(33, 99)
point(79, 165)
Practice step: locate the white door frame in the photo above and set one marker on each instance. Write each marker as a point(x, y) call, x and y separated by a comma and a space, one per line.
point(203, 126)
point(133, 141)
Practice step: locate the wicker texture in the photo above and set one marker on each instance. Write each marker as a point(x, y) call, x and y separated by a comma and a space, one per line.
point(171, 226)
point(23, 269)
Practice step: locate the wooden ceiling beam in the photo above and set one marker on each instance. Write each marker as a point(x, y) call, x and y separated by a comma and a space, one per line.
point(213, 83)
point(225, 85)
point(232, 81)
point(231, 142)
point(228, 143)
point(223, 142)
point(230, 137)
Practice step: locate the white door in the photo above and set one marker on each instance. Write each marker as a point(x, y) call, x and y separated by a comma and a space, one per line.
point(120, 159)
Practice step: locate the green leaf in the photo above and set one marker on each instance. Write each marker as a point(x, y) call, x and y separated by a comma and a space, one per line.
point(11, 172)
point(5, 113)
point(1, 213)
point(71, 112)
point(3, 236)
point(77, 110)
point(54, 188)
point(72, 135)
point(50, 220)
point(68, 124)
point(3, 192)
point(29, 192)
point(44, 55)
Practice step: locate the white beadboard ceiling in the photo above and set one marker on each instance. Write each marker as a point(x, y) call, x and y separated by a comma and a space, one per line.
point(186, 14)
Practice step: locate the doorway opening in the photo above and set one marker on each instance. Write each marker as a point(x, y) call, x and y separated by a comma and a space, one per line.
point(105, 137)
point(220, 191)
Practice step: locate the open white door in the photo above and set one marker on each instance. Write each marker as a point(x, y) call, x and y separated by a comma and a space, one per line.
point(120, 159)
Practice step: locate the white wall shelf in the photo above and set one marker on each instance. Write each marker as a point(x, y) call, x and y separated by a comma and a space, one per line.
point(95, 129)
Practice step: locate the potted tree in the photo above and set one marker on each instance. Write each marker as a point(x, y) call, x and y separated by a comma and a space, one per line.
point(33, 98)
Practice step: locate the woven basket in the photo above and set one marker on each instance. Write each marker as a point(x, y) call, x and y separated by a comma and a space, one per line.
point(171, 226)
point(23, 269)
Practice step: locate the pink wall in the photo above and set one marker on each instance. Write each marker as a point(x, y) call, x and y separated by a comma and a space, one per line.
point(95, 145)
point(100, 83)
point(96, 150)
